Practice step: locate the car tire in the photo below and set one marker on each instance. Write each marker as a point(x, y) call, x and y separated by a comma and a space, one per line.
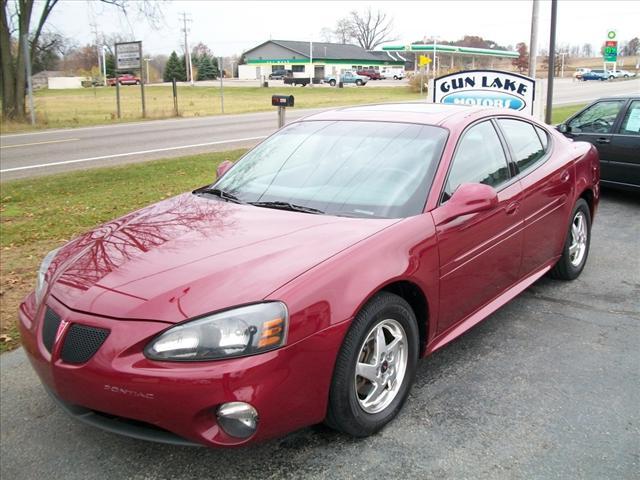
point(611, 77)
point(352, 406)
point(332, 83)
point(576, 247)
point(359, 82)
point(395, 77)
point(626, 76)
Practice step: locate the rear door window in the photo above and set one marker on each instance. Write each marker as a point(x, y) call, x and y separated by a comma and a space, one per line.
point(524, 141)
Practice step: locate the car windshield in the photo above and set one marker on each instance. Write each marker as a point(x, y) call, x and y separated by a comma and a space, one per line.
point(348, 168)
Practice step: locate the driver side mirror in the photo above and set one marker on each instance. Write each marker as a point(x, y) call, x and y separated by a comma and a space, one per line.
point(223, 168)
point(563, 128)
point(468, 198)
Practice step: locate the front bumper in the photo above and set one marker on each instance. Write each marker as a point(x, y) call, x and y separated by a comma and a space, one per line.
point(118, 388)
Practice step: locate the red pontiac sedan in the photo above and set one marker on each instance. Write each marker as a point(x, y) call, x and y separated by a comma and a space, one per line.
point(306, 282)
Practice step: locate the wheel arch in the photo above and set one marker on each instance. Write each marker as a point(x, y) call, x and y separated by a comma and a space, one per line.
point(417, 300)
point(589, 197)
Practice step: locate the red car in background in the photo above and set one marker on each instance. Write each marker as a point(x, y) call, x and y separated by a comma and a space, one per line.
point(125, 79)
point(371, 73)
point(306, 282)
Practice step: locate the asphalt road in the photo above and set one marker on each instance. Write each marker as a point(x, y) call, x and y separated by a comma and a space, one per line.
point(52, 151)
point(548, 387)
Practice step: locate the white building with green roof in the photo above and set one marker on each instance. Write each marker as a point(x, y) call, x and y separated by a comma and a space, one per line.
point(317, 59)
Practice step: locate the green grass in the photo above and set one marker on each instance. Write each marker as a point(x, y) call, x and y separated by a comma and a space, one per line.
point(95, 106)
point(559, 114)
point(37, 215)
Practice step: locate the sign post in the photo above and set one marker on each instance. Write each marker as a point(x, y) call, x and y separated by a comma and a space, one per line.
point(221, 72)
point(424, 61)
point(282, 102)
point(129, 57)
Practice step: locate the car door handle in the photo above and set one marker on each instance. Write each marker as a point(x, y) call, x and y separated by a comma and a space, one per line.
point(512, 208)
point(565, 176)
point(603, 140)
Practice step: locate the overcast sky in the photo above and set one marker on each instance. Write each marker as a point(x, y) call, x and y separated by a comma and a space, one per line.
point(229, 27)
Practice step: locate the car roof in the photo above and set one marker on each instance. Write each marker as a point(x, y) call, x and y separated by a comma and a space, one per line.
point(422, 113)
point(618, 97)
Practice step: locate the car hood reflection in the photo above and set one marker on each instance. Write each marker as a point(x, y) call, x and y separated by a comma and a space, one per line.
point(190, 255)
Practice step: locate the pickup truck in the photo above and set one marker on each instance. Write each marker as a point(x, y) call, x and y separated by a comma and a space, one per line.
point(347, 77)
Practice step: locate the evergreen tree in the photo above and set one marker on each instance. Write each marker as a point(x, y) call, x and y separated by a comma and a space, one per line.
point(206, 69)
point(175, 69)
point(110, 65)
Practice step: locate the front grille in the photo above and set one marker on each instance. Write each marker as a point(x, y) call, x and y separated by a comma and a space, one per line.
point(50, 328)
point(82, 342)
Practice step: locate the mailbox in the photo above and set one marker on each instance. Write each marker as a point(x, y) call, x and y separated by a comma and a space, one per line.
point(282, 100)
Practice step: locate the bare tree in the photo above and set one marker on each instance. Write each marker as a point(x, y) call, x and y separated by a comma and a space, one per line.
point(371, 29)
point(15, 31)
point(326, 35)
point(344, 31)
point(587, 50)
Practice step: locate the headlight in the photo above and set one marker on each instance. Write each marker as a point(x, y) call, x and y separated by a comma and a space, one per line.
point(41, 279)
point(234, 333)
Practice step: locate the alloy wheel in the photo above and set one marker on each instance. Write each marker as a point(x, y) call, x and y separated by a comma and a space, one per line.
point(381, 366)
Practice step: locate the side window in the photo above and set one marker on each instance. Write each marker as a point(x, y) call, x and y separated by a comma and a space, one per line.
point(524, 142)
point(478, 159)
point(544, 137)
point(598, 118)
point(631, 122)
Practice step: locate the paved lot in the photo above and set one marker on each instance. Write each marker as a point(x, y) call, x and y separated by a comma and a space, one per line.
point(61, 150)
point(547, 387)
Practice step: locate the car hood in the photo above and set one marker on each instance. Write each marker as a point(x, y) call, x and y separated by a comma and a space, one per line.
point(191, 255)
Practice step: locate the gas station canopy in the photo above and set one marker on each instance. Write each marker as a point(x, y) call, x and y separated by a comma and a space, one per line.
point(452, 49)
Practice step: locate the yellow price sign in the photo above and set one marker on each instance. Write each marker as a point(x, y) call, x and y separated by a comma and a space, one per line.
point(424, 60)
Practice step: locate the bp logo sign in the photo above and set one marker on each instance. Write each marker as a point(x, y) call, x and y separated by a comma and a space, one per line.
point(487, 88)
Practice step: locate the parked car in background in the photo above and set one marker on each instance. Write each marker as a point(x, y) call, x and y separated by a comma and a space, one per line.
point(306, 282)
point(124, 79)
point(622, 73)
point(371, 73)
point(613, 126)
point(593, 75)
point(580, 71)
point(347, 77)
point(280, 74)
point(391, 72)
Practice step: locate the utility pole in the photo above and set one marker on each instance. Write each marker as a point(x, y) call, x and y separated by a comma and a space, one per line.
point(94, 28)
point(104, 65)
point(187, 51)
point(552, 61)
point(562, 54)
point(533, 42)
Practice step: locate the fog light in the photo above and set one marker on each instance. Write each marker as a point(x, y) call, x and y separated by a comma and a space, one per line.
point(238, 419)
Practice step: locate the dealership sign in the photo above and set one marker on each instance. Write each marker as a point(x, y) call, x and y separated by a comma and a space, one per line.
point(487, 88)
point(129, 56)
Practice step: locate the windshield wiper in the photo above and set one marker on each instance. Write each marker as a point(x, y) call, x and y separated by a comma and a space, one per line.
point(287, 206)
point(229, 197)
